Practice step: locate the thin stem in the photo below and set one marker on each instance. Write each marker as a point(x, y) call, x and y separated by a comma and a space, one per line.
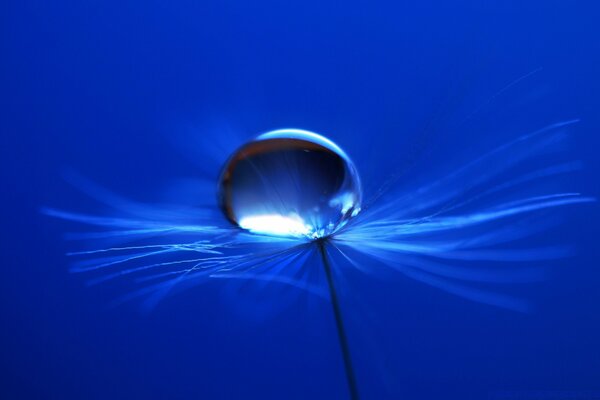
point(351, 379)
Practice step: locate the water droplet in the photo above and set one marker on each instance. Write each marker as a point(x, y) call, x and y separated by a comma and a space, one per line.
point(290, 182)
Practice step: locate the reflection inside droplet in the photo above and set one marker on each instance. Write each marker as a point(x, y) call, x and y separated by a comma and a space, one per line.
point(290, 182)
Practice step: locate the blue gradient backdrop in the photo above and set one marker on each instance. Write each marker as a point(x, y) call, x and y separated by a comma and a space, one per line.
point(117, 90)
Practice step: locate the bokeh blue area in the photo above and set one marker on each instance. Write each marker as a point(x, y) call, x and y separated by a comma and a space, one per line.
point(126, 92)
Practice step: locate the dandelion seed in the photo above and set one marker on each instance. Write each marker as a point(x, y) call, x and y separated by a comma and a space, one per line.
point(291, 192)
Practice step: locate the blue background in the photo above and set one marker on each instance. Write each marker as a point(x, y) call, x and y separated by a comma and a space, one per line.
point(110, 88)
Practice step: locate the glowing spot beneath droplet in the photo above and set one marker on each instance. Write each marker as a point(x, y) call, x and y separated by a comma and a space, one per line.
point(277, 225)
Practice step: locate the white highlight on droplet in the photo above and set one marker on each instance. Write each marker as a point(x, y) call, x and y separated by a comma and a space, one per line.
point(277, 225)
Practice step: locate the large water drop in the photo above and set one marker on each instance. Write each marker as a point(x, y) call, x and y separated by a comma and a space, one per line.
point(290, 182)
